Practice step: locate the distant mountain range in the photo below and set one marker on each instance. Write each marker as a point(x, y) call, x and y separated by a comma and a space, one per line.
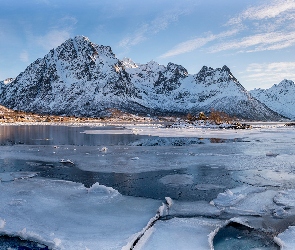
point(81, 78)
point(280, 98)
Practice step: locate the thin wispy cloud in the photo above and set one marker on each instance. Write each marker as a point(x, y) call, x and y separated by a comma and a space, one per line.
point(151, 28)
point(138, 37)
point(24, 56)
point(57, 33)
point(193, 44)
point(259, 28)
point(258, 42)
point(66, 23)
point(53, 39)
point(267, 11)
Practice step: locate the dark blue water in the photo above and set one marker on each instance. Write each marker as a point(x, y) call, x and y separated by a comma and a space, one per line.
point(238, 237)
point(15, 243)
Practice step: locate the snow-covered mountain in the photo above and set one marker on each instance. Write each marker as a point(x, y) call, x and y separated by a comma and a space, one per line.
point(280, 98)
point(84, 79)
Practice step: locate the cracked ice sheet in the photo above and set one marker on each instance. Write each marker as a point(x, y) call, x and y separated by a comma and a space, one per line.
point(179, 233)
point(66, 215)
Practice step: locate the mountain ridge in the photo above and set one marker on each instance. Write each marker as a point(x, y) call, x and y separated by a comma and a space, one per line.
point(85, 79)
point(279, 97)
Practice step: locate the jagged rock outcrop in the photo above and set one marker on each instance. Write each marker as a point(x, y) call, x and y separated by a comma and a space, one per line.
point(84, 79)
point(280, 98)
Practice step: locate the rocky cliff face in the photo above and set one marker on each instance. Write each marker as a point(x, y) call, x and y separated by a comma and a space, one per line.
point(280, 98)
point(84, 79)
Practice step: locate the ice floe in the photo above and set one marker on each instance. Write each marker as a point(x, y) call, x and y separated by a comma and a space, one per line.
point(66, 215)
point(179, 233)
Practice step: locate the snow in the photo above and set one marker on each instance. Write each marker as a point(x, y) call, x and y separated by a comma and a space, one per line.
point(280, 97)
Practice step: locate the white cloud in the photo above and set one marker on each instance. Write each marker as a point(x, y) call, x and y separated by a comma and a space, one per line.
point(57, 33)
point(270, 27)
point(65, 23)
point(53, 39)
point(162, 22)
point(258, 42)
point(271, 73)
point(151, 28)
point(138, 37)
point(24, 56)
point(267, 11)
point(193, 44)
point(260, 28)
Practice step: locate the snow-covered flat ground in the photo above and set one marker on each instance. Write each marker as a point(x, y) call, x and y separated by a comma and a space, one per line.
point(146, 186)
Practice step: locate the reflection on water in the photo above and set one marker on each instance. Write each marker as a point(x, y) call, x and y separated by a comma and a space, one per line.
point(144, 184)
point(204, 182)
point(62, 135)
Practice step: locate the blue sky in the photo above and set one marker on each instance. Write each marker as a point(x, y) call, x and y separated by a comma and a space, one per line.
point(254, 38)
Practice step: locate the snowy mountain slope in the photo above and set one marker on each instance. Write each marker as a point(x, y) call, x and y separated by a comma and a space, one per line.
point(84, 79)
point(280, 98)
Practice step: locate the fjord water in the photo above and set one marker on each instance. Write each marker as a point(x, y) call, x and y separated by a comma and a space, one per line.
point(192, 181)
point(262, 158)
point(61, 135)
point(196, 171)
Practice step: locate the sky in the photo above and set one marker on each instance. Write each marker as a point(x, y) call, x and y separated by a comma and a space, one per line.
point(254, 38)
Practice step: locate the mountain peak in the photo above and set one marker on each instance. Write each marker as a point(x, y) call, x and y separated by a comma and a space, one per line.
point(82, 78)
point(176, 68)
point(286, 84)
point(225, 68)
point(128, 63)
point(210, 75)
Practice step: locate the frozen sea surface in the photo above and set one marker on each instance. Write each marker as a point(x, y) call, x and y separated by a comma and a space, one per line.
point(154, 183)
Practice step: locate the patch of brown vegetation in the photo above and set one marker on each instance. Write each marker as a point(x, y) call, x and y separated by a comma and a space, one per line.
point(115, 116)
point(11, 116)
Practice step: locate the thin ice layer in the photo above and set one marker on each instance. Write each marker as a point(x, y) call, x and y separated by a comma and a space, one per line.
point(179, 233)
point(66, 215)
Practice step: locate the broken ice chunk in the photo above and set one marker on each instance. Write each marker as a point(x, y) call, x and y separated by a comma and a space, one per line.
point(285, 198)
point(286, 239)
